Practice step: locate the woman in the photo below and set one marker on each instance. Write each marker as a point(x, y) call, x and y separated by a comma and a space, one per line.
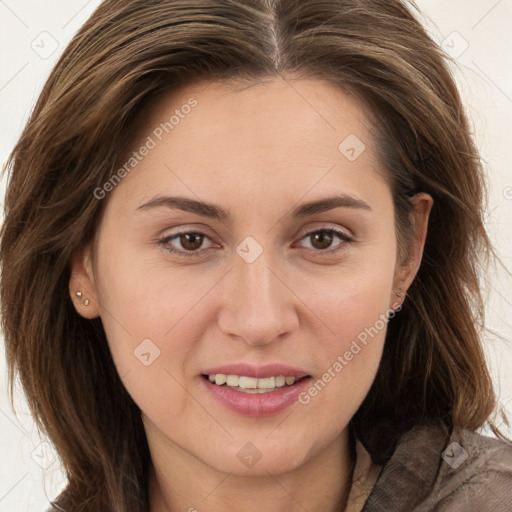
point(240, 264)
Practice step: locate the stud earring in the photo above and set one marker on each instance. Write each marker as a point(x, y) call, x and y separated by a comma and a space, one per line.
point(400, 292)
point(79, 296)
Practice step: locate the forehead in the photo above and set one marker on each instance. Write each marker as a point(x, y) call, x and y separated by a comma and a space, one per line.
point(274, 106)
point(295, 135)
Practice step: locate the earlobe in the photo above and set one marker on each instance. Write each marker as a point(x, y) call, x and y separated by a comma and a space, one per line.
point(82, 286)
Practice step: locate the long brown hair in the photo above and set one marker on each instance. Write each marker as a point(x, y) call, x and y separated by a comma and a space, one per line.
point(129, 51)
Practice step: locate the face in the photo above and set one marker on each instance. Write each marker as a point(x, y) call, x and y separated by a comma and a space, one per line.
point(253, 237)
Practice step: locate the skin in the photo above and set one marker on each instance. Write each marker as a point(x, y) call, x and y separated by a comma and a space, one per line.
point(259, 152)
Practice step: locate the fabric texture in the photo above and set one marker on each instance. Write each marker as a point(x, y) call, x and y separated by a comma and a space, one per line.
point(363, 479)
point(435, 470)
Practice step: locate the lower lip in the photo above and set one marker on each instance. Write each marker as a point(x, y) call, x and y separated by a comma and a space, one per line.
point(257, 404)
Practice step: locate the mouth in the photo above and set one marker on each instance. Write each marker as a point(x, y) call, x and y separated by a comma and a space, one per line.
point(255, 391)
point(253, 385)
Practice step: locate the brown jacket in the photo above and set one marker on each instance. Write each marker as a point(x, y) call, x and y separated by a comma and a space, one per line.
point(433, 470)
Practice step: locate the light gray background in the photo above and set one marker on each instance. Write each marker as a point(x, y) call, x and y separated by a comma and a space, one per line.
point(475, 32)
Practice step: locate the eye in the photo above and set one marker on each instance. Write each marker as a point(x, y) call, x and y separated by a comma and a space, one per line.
point(190, 241)
point(322, 239)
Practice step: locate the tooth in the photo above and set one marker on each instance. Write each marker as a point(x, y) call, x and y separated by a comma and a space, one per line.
point(248, 382)
point(220, 379)
point(232, 380)
point(268, 383)
point(251, 383)
point(280, 381)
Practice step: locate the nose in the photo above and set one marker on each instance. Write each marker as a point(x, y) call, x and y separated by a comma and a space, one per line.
point(259, 303)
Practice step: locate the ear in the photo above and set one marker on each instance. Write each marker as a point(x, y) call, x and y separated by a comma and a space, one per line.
point(82, 287)
point(406, 271)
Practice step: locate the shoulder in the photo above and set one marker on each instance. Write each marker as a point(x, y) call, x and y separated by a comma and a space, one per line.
point(435, 469)
point(476, 472)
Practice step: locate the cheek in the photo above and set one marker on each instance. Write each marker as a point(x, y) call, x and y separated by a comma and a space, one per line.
point(149, 323)
point(355, 308)
point(137, 292)
point(153, 315)
point(353, 297)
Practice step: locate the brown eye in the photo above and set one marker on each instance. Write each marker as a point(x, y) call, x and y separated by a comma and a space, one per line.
point(321, 240)
point(186, 243)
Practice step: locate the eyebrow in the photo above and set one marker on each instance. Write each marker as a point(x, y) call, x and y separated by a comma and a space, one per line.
point(216, 212)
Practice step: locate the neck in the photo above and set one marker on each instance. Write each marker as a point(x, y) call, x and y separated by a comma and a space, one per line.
point(180, 482)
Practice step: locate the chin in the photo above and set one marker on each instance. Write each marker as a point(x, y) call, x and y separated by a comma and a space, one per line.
point(259, 458)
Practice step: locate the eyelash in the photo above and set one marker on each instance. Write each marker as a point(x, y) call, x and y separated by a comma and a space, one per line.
point(332, 231)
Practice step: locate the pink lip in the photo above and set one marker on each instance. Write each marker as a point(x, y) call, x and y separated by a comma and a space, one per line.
point(257, 404)
point(257, 372)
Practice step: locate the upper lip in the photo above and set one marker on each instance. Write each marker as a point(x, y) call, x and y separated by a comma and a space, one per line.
point(257, 372)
